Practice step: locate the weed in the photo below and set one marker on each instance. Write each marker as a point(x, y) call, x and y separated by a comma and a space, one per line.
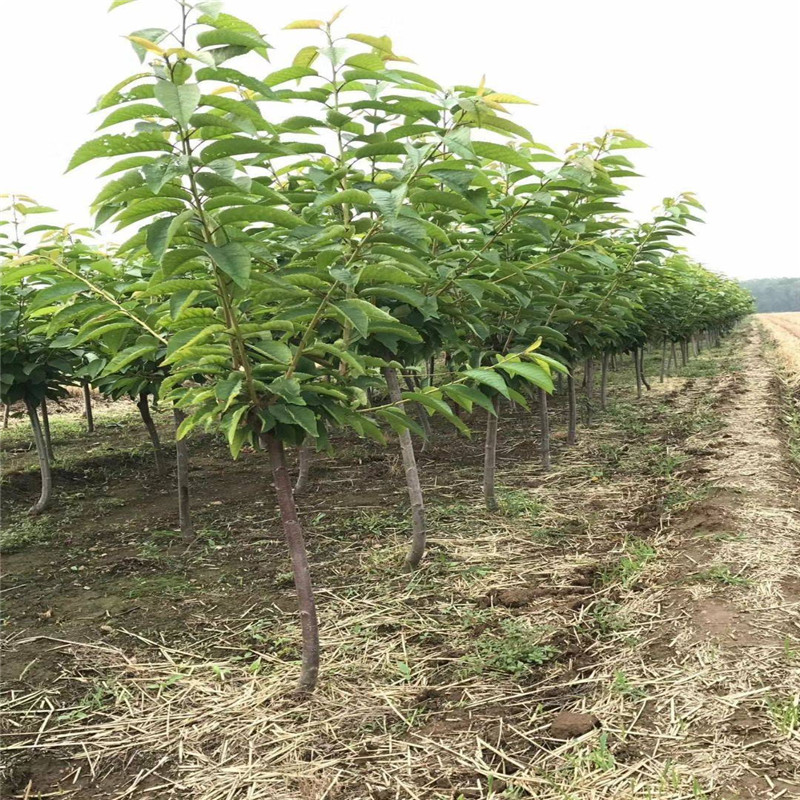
point(621, 685)
point(638, 553)
point(167, 585)
point(26, 532)
point(514, 651)
point(785, 713)
point(721, 573)
point(518, 503)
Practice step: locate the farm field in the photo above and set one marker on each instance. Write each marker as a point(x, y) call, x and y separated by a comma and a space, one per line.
point(784, 328)
point(649, 583)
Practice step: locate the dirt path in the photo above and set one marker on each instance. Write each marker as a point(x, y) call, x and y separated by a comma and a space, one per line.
point(725, 673)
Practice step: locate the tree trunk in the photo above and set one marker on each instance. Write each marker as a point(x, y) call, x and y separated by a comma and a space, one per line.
point(636, 372)
point(604, 382)
point(144, 410)
point(87, 407)
point(663, 361)
point(613, 362)
point(674, 357)
point(412, 480)
point(544, 427)
point(589, 375)
point(303, 467)
point(44, 460)
point(572, 412)
point(48, 442)
point(684, 354)
point(559, 383)
point(6, 410)
point(302, 576)
point(490, 456)
point(641, 369)
point(182, 463)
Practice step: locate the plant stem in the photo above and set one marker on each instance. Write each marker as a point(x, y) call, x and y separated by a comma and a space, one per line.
point(87, 407)
point(418, 526)
point(182, 464)
point(44, 462)
point(144, 410)
point(490, 456)
point(293, 532)
point(303, 467)
point(48, 442)
point(604, 382)
point(544, 427)
point(572, 414)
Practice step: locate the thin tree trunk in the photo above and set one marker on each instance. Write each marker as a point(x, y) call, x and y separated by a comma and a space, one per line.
point(44, 461)
point(182, 463)
point(589, 376)
point(48, 442)
point(144, 410)
point(572, 413)
point(302, 575)
point(613, 362)
point(6, 410)
point(303, 467)
point(418, 528)
point(684, 354)
point(559, 383)
point(636, 372)
point(544, 426)
point(490, 456)
point(674, 357)
point(663, 361)
point(87, 407)
point(604, 382)
point(641, 369)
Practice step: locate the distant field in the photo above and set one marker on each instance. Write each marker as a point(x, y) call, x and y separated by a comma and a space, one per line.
point(785, 329)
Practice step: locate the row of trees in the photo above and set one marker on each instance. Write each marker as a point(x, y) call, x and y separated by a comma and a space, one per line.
point(332, 247)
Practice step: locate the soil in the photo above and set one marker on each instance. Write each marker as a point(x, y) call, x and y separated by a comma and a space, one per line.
point(649, 581)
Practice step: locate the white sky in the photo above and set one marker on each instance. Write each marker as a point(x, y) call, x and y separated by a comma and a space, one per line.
point(712, 85)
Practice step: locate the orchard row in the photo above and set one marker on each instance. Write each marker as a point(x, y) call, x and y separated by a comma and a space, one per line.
point(342, 244)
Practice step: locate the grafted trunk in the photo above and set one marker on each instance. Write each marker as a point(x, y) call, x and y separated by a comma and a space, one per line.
point(144, 410)
point(293, 532)
point(641, 369)
point(544, 427)
point(303, 467)
point(48, 442)
point(559, 383)
point(572, 410)
point(684, 354)
point(182, 464)
point(604, 382)
point(636, 372)
point(418, 528)
point(674, 357)
point(613, 362)
point(87, 407)
point(44, 461)
point(490, 456)
point(6, 409)
point(663, 361)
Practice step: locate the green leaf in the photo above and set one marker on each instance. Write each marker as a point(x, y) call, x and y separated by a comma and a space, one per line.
point(489, 378)
point(116, 145)
point(180, 101)
point(127, 356)
point(45, 297)
point(466, 396)
point(277, 351)
point(354, 196)
point(254, 213)
point(233, 259)
point(354, 315)
point(288, 74)
point(502, 153)
point(532, 373)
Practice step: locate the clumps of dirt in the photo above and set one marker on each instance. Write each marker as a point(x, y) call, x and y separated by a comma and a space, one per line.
point(571, 724)
point(513, 597)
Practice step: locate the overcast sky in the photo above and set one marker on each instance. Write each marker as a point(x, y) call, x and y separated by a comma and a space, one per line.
point(713, 87)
